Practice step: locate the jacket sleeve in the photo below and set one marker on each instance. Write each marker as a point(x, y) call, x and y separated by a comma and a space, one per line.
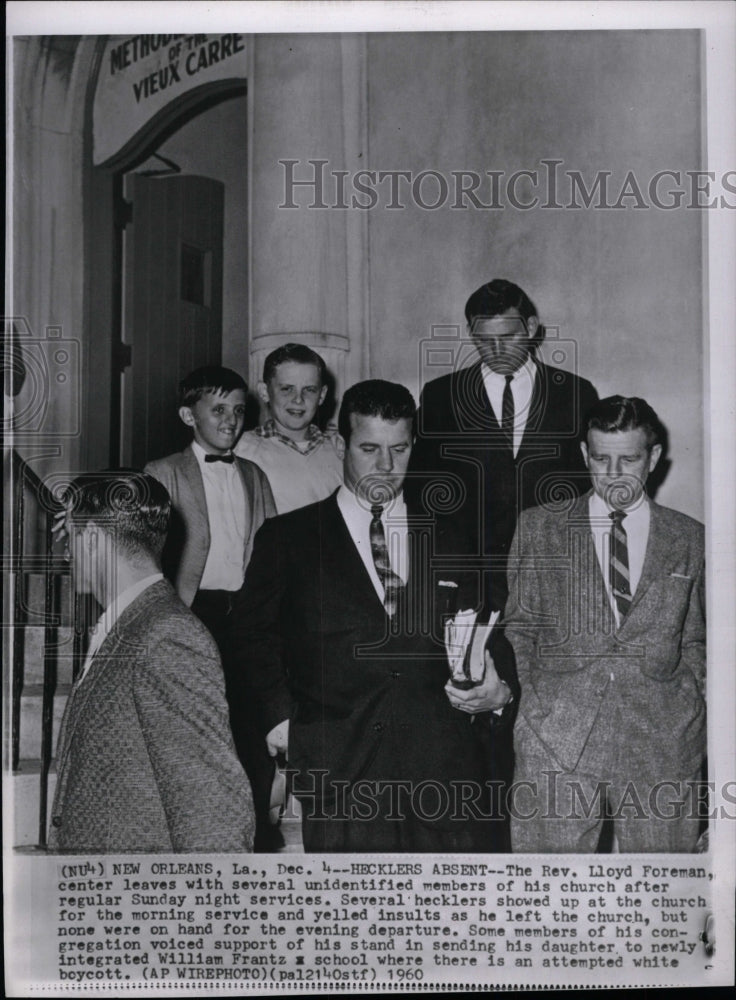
point(256, 652)
point(693, 647)
point(180, 700)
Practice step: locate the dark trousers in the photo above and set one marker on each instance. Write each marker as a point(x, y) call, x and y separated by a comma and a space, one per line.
point(213, 608)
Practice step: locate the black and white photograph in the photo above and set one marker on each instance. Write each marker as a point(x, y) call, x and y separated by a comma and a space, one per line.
point(368, 455)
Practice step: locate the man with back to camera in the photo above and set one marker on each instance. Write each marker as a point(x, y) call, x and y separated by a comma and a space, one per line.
point(302, 463)
point(606, 619)
point(145, 759)
point(350, 681)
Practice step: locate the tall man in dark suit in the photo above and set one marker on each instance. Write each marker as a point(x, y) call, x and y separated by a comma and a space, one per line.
point(145, 761)
point(506, 430)
point(335, 636)
point(606, 618)
point(508, 427)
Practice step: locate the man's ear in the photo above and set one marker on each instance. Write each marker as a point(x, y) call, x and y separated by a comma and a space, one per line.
point(532, 326)
point(186, 415)
point(262, 389)
point(654, 456)
point(584, 449)
point(90, 535)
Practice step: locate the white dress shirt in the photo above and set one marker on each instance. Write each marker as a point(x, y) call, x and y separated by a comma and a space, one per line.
point(111, 614)
point(357, 515)
point(226, 512)
point(522, 389)
point(636, 526)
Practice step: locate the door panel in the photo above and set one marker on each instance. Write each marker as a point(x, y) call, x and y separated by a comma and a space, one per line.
point(172, 304)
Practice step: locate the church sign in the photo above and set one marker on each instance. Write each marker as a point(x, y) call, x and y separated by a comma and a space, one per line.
point(141, 76)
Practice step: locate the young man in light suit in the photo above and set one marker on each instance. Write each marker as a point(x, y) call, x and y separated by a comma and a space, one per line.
point(606, 619)
point(219, 502)
point(145, 761)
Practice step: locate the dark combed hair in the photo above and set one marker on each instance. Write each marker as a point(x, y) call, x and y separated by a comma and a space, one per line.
point(132, 506)
point(625, 413)
point(494, 298)
point(300, 353)
point(376, 398)
point(210, 378)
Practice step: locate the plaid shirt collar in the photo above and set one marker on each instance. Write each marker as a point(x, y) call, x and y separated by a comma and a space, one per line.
point(314, 436)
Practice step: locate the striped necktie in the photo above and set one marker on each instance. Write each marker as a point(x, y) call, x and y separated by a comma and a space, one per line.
point(619, 565)
point(392, 584)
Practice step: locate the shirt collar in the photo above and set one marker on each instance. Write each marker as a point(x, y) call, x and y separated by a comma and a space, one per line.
point(599, 509)
point(313, 435)
point(114, 610)
point(199, 454)
point(396, 507)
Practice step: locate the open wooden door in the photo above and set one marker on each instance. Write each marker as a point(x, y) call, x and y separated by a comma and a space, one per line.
point(172, 305)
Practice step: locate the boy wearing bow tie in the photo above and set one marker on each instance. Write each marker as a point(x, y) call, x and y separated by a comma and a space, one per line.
point(219, 501)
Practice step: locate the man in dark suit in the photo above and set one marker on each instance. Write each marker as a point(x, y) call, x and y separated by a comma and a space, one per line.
point(606, 617)
point(504, 434)
point(145, 760)
point(506, 429)
point(336, 636)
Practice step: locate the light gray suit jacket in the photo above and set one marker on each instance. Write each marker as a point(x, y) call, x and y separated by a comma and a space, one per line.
point(189, 536)
point(146, 761)
point(572, 660)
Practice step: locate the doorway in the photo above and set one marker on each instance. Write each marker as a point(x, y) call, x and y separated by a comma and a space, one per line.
point(179, 283)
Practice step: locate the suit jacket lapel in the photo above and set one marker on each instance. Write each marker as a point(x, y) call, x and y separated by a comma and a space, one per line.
point(473, 399)
point(193, 476)
point(535, 415)
point(353, 577)
point(658, 554)
point(246, 478)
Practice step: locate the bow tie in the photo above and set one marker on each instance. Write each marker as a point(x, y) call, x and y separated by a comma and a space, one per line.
point(220, 458)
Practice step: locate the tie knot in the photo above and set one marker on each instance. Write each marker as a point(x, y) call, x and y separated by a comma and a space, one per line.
point(617, 516)
point(376, 510)
point(509, 379)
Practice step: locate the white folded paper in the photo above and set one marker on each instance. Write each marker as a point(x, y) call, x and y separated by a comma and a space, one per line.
point(465, 642)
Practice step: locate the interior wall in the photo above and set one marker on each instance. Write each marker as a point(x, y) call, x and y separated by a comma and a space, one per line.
point(622, 287)
point(215, 144)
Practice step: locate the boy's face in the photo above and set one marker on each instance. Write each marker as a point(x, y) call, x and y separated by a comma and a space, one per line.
point(216, 419)
point(294, 394)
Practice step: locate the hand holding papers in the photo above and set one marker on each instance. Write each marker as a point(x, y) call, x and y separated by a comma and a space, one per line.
point(474, 684)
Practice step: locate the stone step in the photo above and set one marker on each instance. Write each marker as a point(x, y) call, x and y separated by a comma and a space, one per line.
point(33, 586)
point(23, 798)
point(31, 705)
point(32, 639)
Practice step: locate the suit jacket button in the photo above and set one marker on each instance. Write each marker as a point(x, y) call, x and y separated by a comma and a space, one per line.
point(378, 727)
point(395, 674)
point(56, 821)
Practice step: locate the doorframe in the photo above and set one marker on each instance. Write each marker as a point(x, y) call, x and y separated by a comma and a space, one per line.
point(104, 221)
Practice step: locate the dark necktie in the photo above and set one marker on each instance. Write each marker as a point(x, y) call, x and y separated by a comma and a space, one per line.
point(507, 412)
point(392, 584)
point(619, 567)
point(220, 458)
